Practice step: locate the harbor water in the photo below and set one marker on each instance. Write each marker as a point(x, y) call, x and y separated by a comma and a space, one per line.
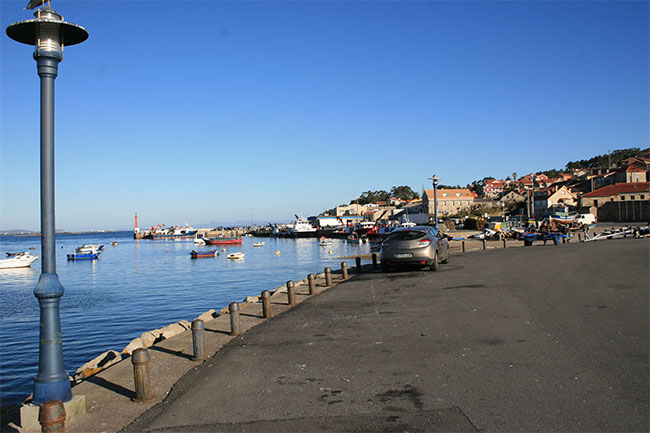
point(136, 286)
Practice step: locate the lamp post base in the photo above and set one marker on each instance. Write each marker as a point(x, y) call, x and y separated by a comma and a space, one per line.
point(59, 390)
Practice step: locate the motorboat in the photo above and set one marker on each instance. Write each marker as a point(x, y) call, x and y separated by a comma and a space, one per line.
point(258, 244)
point(236, 256)
point(324, 242)
point(17, 260)
point(202, 254)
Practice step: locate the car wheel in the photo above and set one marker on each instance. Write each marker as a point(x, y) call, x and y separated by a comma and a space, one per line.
point(434, 265)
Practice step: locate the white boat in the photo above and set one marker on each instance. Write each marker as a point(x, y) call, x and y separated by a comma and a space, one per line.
point(18, 260)
point(302, 228)
point(324, 242)
point(236, 256)
point(199, 241)
point(258, 244)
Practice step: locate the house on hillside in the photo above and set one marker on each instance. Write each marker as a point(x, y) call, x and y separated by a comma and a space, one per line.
point(493, 188)
point(625, 202)
point(552, 197)
point(512, 197)
point(450, 201)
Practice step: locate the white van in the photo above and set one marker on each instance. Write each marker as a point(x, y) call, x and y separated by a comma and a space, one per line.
point(586, 219)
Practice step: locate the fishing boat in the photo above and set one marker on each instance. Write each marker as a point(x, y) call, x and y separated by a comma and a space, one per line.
point(223, 240)
point(202, 254)
point(236, 256)
point(302, 228)
point(83, 256)
point(258, 244)
point(18, 260)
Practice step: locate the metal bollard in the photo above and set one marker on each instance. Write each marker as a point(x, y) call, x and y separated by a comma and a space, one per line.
point(374, 260)
point(312, 284)
point(344, 270)
point(198, 341)
point(51, 416)
point(291, 295)
point(504, 243)
point(463, 246)
point(234, 318)
point(358, 261)
point(266, 304)
point(142, 379)
point(483, 243)
point(579, 237)
point(328, 277)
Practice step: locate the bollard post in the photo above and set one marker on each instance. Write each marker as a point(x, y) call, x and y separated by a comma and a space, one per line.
point(374, 261)
point(483, 243)
point(142, 379)
point(234, 318)
point(463, 245)
point(291, 295)
point(579, 237)
point(51, 416)
point(358, 261)
point(328, 277)
point(266, 304)
point(198, 341)
point(344, 270)
point(504, 242)
point(312, 284)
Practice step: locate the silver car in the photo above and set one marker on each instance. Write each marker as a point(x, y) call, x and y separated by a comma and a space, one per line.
point(419, 245)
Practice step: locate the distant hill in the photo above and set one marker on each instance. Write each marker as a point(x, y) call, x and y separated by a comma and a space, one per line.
point(17, 231)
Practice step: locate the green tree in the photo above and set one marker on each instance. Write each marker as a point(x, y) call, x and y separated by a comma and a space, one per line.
point(403, 192)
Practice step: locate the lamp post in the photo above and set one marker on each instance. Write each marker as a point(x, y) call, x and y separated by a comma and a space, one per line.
point(48, 32)
point(435, 180)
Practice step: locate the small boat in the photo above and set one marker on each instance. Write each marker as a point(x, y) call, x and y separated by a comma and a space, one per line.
point(258, 244)
point(18, 260)
point(222, 240)
point(199, 240)
point(113, 244)
point(83, 256)
point(202, 254)
point(237, 255)
point(324, 242)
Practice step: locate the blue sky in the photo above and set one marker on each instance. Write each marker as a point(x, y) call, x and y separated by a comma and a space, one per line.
point(198, 111)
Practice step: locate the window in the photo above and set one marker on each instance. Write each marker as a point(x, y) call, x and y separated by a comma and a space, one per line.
point(596, 203)
point(622, 198)
point(631, 197)
point(642, 197)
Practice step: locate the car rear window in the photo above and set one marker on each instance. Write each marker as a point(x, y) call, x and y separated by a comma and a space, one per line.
point(408, 235)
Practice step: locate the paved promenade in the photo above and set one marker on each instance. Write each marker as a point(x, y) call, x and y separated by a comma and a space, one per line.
point(546, 338)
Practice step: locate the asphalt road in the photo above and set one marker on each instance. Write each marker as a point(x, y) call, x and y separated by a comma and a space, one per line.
point(543, 338)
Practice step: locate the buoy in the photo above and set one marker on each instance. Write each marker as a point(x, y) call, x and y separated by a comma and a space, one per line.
point(223, 249)
point(277, 252)
point(330, 251)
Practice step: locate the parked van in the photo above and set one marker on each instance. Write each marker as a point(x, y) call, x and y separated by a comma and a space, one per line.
point(586, 219)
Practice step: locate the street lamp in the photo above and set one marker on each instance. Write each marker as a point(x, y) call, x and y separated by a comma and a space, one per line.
point(435, 180)
point(48, 32)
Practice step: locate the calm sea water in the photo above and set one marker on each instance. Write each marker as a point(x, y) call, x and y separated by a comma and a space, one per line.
point(134, 287)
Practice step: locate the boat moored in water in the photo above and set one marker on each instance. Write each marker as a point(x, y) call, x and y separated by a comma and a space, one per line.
point(18, 260)
point(223, 240)
point(258, 244)
point(202, 254)
point(236, 256)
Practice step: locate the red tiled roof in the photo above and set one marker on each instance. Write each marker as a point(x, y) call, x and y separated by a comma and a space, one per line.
point(620, 188)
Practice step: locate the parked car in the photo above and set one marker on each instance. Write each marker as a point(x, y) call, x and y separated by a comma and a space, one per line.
point(419, 246)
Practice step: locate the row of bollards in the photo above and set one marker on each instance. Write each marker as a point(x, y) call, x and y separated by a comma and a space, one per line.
point(140, 357)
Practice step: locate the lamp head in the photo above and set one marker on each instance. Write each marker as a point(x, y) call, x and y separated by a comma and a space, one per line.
point(48, 32)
